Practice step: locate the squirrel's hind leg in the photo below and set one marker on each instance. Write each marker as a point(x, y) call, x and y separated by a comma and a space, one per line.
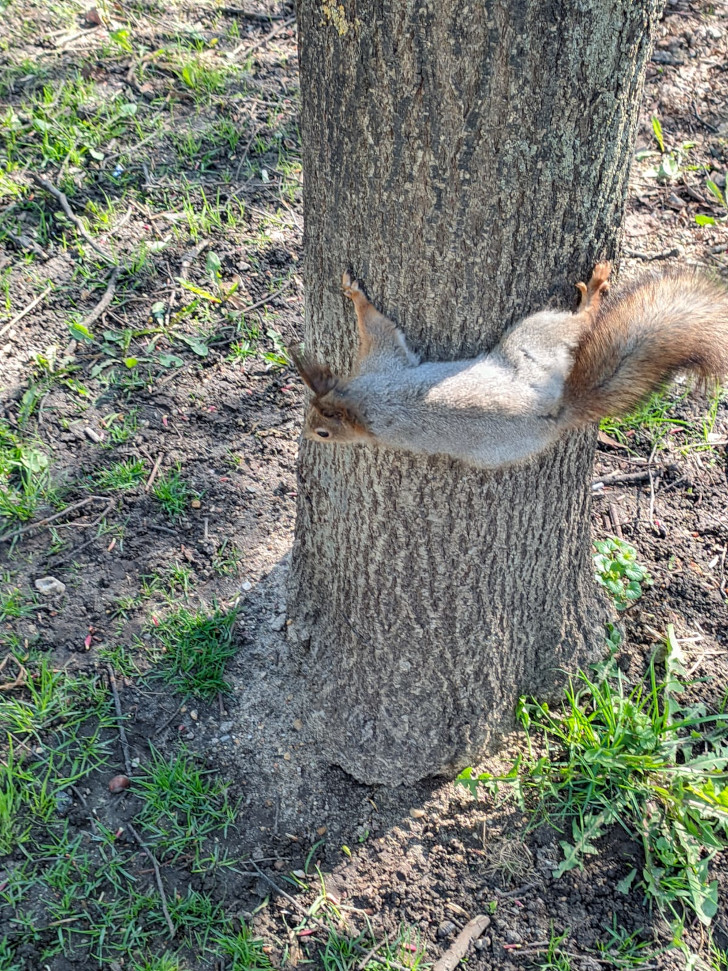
point(592, 293)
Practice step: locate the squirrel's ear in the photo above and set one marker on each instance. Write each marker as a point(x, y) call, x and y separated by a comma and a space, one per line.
point(317, 376)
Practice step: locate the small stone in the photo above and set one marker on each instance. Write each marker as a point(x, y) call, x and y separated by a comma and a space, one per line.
point(247, 585)
point(279, 622)
point(297, 724)
point(513, 937)
point(226, 726)
point(119, 783)
point(321, 831)
point(50, 587)
point(287, 756)
point(445, 929)
point(417, 813)
point(63, 803)
point(193, 715)
point(224, 738)
point(195, 503)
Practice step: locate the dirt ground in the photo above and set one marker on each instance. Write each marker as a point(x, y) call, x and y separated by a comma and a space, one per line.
point(428, 856)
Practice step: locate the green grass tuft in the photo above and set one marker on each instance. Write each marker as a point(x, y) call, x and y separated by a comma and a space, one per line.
point(173, 494)
point(644, 758)
point(182, 804)
point(196, 646)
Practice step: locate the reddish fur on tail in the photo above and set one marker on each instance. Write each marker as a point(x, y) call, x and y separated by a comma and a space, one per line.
point(645, 334)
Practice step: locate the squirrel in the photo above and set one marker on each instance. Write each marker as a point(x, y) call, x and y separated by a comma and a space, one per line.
point(549, 373)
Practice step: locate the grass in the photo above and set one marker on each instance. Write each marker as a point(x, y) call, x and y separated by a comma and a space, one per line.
point(24, 478)
point(85, 886)
point(13, 602)
point(656, 423)
point(182, 805)
point(173, 494)
point(195, 646)
point(644, 758)
point(122, 475)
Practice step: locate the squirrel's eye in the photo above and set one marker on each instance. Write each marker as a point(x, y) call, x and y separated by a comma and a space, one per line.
point(322, 433)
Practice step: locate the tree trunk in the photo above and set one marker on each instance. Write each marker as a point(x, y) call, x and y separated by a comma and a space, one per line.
point(468, 162)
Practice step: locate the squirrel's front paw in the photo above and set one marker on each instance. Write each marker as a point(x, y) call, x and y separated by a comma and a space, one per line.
point(351, 287)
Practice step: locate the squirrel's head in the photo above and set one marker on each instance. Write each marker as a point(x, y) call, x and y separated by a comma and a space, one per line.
point(330, 418)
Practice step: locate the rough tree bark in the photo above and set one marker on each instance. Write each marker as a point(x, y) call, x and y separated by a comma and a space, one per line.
point(468, 161)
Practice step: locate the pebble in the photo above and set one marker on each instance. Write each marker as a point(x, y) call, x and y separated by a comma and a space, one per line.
point(63, 803)
point(513, 937)
point(279, 622)
point(50, 586)
point(445, 929)
point(226, 726)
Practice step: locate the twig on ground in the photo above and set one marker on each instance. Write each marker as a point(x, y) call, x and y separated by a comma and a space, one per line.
point(244, 156)
point(21, 677)
point(44, 522)
point(664, 255)
point(243, 312)
point(519, 891)
point(25, 242)
point(69, 554)
point(458, 949)
point(622, 478)
point(79, 795)
point(161, 529)
point(175, 373)
point(120, 719)
point(264, 18)
point(169, 721)
point(65, 206)
point(190, 256)
point(105, 300)
point(703, 122)
point(153, 475)
point(19, 316)
point(268, 298)
point(247, 50)
point(122, 222)
point(158, 877)
point(616, 521)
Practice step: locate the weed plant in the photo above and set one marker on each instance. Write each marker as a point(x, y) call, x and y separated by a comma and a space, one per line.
point(645, 758)
point(617, 569)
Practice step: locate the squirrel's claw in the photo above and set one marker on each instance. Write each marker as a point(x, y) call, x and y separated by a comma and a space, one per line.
point(350, 287)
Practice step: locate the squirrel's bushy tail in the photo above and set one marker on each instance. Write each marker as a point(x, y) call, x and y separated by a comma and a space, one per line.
point(644, 335)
